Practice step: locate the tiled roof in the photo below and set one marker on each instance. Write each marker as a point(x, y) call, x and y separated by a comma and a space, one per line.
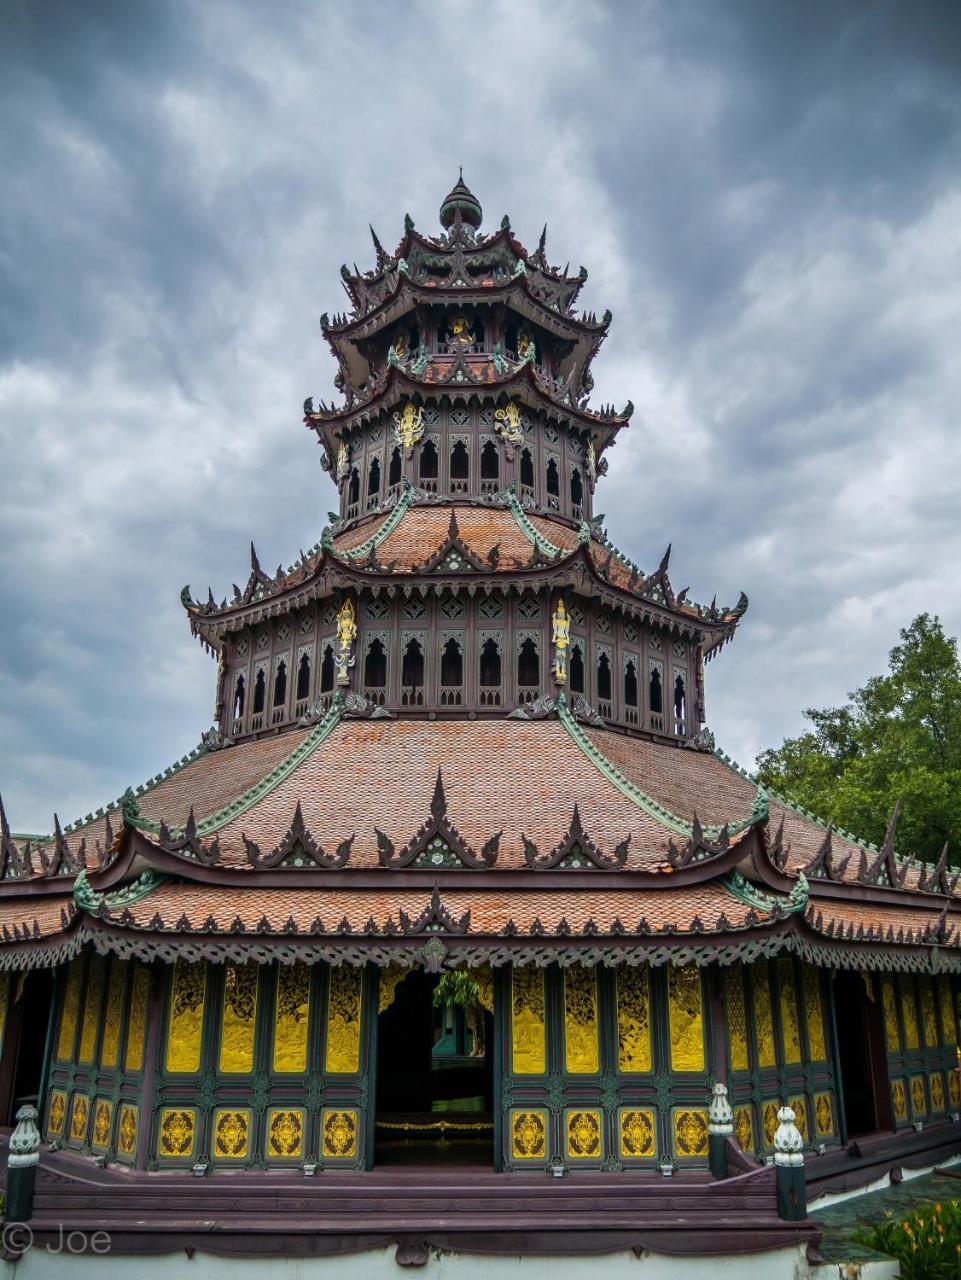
point(41, 918)
point(195, 908)
point(424, 530)
point(359, 533)
point(863, 921)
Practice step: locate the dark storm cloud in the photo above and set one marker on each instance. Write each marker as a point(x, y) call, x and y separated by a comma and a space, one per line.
point(767, 197)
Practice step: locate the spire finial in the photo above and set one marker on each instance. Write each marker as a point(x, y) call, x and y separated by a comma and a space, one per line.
point(461, 200)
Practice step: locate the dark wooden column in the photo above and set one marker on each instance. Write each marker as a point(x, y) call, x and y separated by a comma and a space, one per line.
point(151, 1049)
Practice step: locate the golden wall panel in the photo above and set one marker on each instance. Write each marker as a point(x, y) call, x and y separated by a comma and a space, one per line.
point(936, 1085)
point(584, 1135)
point(814, 1013)
point(736, 1017)
point(291, 1018)
point(102, 1117)
point(528, 1034)
point(528, 1135)
point(690, 1133)
point(892, 1033)
point(79, 1117)
point(338, 1130)
point(285, 1133)
point(239, 1022)
point(113, 1015)
point(744, 1128)
point(899, 1099)
point(763, 1015)
point(56, 1113)
point(389, 979)
point(344, 1020)
point(823, 1115)
point(581, 1054)
point(633, 1019)
point(177, 1133)
point(70, 1013)
point(685, 1017)
point(909, 1014)
point(127, 1130)
point(137, 1018)
point(787, 995)
point(800, 1108)
point(91, 1008)
point(948, 1029)
point(919, 1102)
point(769, 1112)
point(638, 1131)
point(186, 1023)
point(929, 1018)
point(231, 1133)
point(954, 1090)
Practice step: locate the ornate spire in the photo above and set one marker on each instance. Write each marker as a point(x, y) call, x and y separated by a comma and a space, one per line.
point(463, 201)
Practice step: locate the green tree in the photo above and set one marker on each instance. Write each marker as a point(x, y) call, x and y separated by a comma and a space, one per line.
point(898, 738)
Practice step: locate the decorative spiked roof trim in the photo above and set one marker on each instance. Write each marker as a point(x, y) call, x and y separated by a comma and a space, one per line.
point(438, 842)
point(298, 848)
point(576, 850)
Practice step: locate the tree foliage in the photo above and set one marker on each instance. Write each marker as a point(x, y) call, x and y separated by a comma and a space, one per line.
point(898, 738)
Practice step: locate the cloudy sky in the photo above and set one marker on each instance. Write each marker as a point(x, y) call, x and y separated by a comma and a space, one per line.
point(767, 196)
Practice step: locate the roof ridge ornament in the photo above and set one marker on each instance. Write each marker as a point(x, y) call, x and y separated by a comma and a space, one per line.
point(10, 855)
point(437, 843)
point(296, 847)
point(575, 851)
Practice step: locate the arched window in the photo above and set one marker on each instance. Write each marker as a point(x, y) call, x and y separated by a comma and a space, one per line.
point(680, 697)
point(630, 684)
point(373, 479)
point(303, 677)
point(327, 670)
point(394, 474)
point(280, 684)
point(459, 461)
point(452, 665)
point(375, 666)
point(412, 668)
point(577, 669)
point(240, 692)
point(490, 462)
point(604, 678)
point(528, 665)
point(260, 692)
point(553, 480)
point(353, 488)
point(577, 489)
point(490, 663)
point(527, 469)
point(656, 702)
point(428, 461)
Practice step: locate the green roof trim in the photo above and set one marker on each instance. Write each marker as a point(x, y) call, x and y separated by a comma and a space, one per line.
point(750, 894)
point(88, 899)
point(362, 551)
point(544, 546)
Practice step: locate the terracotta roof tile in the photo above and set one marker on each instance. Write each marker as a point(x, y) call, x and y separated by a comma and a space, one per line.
point(834, 918)
point(424, 530)
point(561, 535)
point(41, 918)
point(359, 533)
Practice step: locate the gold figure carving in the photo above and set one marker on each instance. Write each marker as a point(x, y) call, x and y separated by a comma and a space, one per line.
point(685, 1018)
point(507, 421)
point(936, 1081)
point(285, 1134)
point(591, 464)
point(58, 1109)
point(814, 1013)
point(690, 1133)
point(343, 1020)
point(892, 1035)
point(736, 1017)
point(763, 1016)
point(231, 1134)
point(343, 461)
point(101, 1123)
point(528, 1135)
point(823, 1115)
point(560, 639)
point(137, 1018)
point(909, 1014)
point(584, 1135)
point(637, 1134)
point(633, 1020)
point(580, 1021)
point(339, 1130)
point(177, 1129)
point(127, 1131)
point(292, 1017)
point(185, 1030)
point(918, 1102)
point(110, 1043)
point(91, 1008)
point(744, 1129)
point(461, 334)
point(790, 1031)
point(239, 1018)
point(929, 1019)
point(79, 1117)
point(900, 1099)
point(408, 426)
point(526, 350)
point(528, 1038)
point(948, 1030)
point(346, 635)
point(71, 1010)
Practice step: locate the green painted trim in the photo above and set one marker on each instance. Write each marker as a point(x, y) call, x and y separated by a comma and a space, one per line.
point(520, 515)
point(88, 899)
point(752, 896)
point(362, 551)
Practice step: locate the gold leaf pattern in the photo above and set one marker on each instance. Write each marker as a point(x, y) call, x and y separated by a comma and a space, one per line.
point(528, 1039)
point(637, 1134)
point(936, 1082)
point(909, 1014)
point(892, 1034)
point(814, 1013)
point(231, 1134)
point(899, 1097)
point(102, 1112)
point(954, 1089)
point(744, 1129)
point(763, 1016)
point(389, 979)
point(113, 1015)
point(790, 1031)
point(91, 1008)
point(292, 1018)
point(580, 1021)
point(633, 1019)
point(823, 1115)
point(929, 1019)
point(177, 1130)
point(690, 1133)
point(79, 1117)
point(137, 1018)
point(584, 1135)
point(343, 1020)
point(71, 1010)
point(528, 1135)
point(339, 1130)
point(799, 1107)
point(686, 1022)
point(948, 1030)
point(239, 1018)
point(127, 1130)
point(185, 1032)
point(918, 1102)
point(769, 1121)
point(285, 1134)
point(736, 1017)
point(58, 1109)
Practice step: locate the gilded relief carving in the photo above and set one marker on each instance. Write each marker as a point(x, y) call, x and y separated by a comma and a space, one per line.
point(528, 1135)
point(231, 1134)
point(936, 1083)
point(110, 1044)
point(177, 1130)
point(339, 1129)
point(58, 1109)
point(580, 1021)
point(239, 1018)
point(343, 1020)
point(823, 1115)
point(814, 1013)
point(685, 1017)
point(918, 1101)
point(763, 1016)
point(899, 1099)
point(285, 1134)
point(744, 1129)
point(929, 1018)
point(91, 1009)
point(79, 1117)
point(103, 1110)
point(690, 1134)
point(948, 1030)
point(185, 1030)
point(909, 1014)
point(633, 1019)
point(528, 1041)
point(790, 1030)
point(637, 1135)
point(736, 1017)
point(390, 978)
point(127, 1130)
point(291, 1018)
point(892, 1034)
point(769, 1121)
point(71, 1010)
point(584, 1135)
point(799, 1107)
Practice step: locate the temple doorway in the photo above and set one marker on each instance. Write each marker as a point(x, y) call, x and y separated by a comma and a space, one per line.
point(24, 1040)
point(434, 1078)
point(861, 1056)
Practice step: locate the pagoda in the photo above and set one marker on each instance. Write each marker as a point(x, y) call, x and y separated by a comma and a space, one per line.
point(458, 880)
